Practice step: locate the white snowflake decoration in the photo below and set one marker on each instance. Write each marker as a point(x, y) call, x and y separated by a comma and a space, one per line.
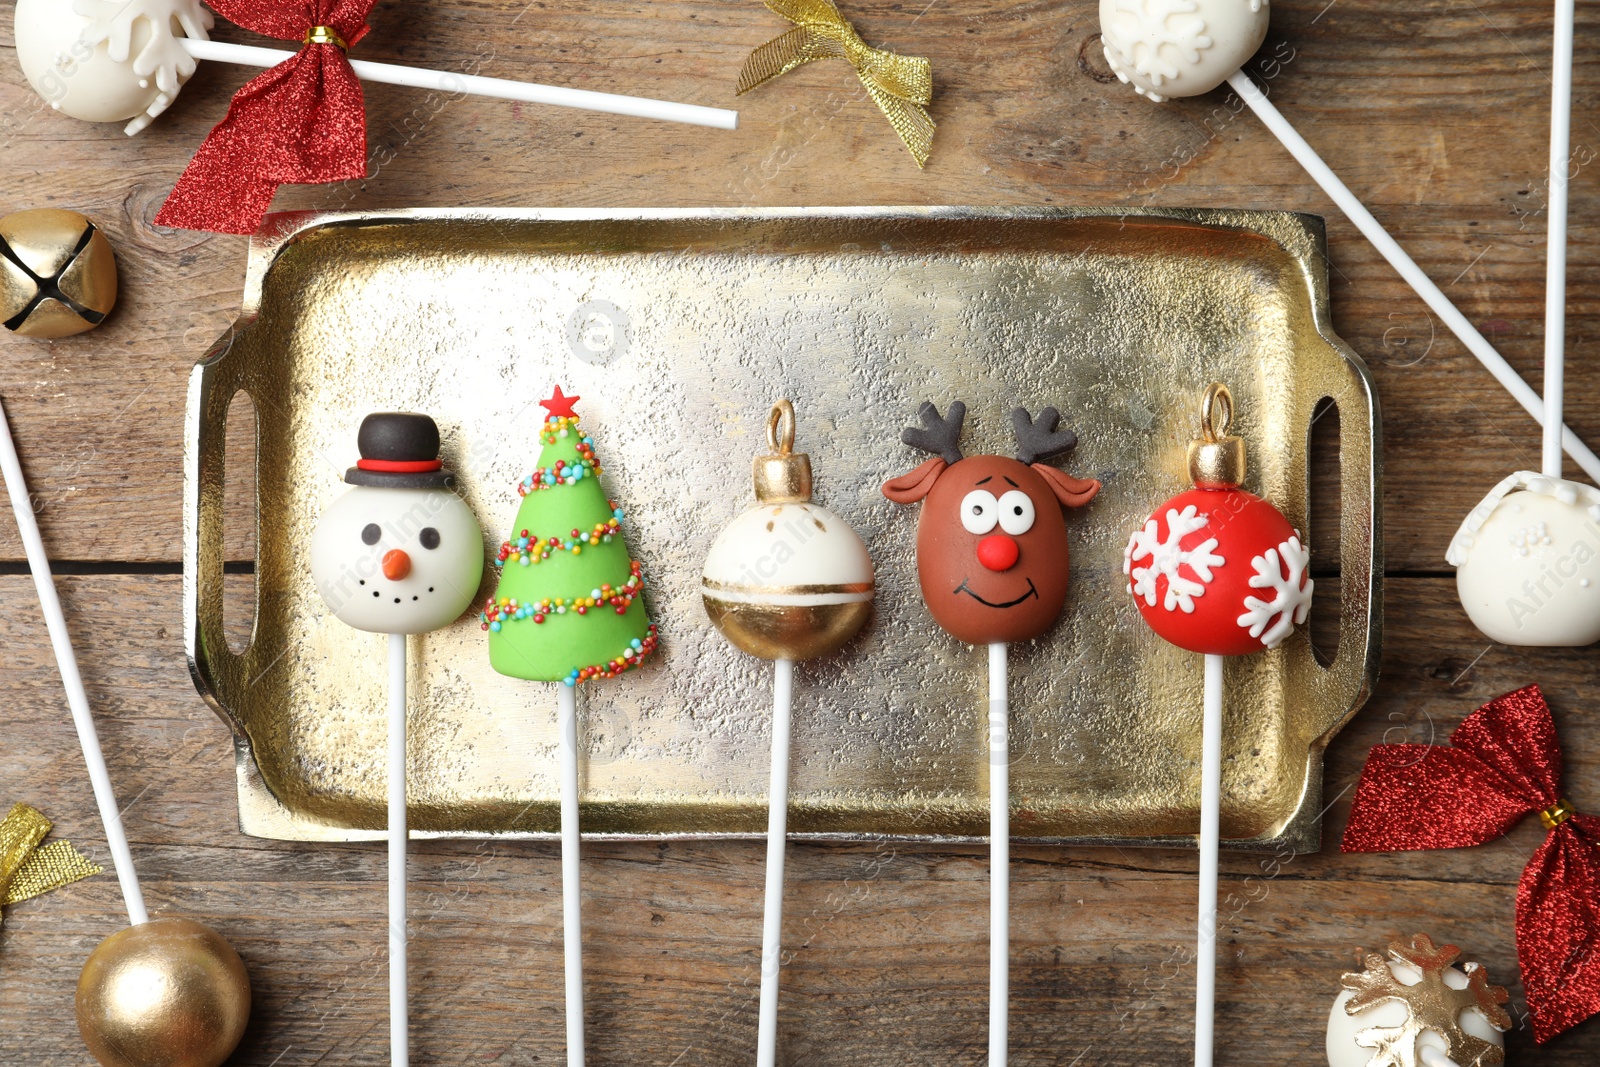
point(114, 22)
point(1275, 619)
point(1167, 557)
point(1163, 25)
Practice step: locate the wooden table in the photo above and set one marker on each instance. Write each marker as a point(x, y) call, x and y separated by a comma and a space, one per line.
point(1434, 112)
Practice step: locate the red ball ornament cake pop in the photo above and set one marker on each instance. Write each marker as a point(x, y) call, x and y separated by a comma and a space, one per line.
point(1216, 569)
point(1219, 571)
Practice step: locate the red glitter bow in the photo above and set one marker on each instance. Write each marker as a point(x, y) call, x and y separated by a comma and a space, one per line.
point(1503, 763)
point(302, 121)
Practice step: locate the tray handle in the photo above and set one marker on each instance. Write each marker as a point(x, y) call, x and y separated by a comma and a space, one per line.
point(213, 384)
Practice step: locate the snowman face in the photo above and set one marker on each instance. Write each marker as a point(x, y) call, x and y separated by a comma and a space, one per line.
point(397, 561)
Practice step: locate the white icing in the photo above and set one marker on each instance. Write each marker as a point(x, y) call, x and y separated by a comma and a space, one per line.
point(1284, 571)
point(442, 581)
point(770, 549)
point(1343, 1027)
point(1527, 562)
point(1166, 48)
point(1167, 556)
point(108, 60)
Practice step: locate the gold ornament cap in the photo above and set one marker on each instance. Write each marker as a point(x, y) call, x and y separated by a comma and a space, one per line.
point(783, 476)
point(1216, 460)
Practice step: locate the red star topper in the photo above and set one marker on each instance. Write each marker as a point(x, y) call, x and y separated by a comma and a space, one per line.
point(560, 405)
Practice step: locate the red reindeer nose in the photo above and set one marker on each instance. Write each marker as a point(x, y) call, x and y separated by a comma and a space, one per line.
point(998, 552)
point(396, 564)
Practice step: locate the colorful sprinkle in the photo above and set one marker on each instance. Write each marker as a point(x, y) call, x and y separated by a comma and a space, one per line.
point(497, 610)
point(527, 550)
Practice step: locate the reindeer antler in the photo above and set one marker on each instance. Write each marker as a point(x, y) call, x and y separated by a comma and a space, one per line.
point(940, 435)
point(1039, 439)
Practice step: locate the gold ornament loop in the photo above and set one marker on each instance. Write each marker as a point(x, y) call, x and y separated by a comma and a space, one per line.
point(326, 35)
point(1217, 459)
point(901, 86)
point(1557, 813)
point(1211, 426)
point(780, 428)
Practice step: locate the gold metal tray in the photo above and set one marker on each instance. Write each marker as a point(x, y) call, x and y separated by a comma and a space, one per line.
point(679, 329)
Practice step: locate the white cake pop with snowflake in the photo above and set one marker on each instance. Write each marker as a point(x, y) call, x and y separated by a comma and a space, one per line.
point(108, 60)
point(1166, 48)
point(400, 552)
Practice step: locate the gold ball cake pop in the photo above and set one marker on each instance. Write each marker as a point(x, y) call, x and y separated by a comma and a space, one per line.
point(164, 993)
point(787, 578)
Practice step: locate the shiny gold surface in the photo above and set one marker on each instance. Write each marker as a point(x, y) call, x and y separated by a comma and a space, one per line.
point(787, 631)
point(781, 476)
point(47, 267)
point(166, 993)
point(1217, 458)
point(1118, 319)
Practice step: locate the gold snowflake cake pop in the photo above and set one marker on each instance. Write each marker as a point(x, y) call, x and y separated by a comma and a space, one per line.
point(1395, 1010)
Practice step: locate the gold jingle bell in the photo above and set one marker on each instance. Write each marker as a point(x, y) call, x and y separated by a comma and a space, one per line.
point(165, 993)
point(58, 275)
point(787, 579)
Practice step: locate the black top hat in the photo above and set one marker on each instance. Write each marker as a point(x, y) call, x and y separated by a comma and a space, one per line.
point(399, 450)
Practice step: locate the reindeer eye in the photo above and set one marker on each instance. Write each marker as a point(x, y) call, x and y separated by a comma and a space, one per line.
point(979, 511)
point(1016, 512)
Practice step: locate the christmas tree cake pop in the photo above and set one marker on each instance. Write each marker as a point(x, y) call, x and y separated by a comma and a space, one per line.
point(399, 553)
point(992, 562)
point(568, 611)
point(567, 608)
point(1417, 1009)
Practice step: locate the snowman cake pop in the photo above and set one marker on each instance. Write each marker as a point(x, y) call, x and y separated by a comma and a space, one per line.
point(399, 553)
point(1417, 1008)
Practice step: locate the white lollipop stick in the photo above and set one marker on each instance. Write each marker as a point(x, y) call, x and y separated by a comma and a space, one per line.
point(1205, 956)
point(399, 1032)
point(1407, 268)
point(67, 663)
point(477, 85)
point(571, 886)
point(777, 838)
point(1555, 278)
point(999, 856)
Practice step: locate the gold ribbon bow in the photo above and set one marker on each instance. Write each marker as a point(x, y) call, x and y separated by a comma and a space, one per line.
point(26, 870)
point(901, 86)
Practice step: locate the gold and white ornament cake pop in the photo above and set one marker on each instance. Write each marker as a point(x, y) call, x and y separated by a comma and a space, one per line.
point(787, 578)
point(1166, 48)
point(1527, 562)
point(1417, 1009)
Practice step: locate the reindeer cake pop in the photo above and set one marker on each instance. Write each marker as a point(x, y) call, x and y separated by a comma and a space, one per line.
point(992, 539)
point(399, 553)
point(992, 563)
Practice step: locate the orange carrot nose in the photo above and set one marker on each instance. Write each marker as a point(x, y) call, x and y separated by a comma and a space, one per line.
point(396, 564)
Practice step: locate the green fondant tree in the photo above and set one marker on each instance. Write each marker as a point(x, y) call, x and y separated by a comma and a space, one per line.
point(568, 607)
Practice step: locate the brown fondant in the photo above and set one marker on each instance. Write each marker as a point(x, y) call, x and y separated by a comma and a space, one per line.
point(973, 603)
